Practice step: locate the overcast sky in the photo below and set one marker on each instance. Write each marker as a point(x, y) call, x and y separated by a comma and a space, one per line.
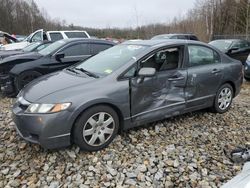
point(115, 13)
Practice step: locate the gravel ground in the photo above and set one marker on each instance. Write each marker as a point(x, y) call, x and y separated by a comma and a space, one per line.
point(185, 151)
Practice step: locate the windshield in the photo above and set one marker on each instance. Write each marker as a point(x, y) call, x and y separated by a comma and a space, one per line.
point(222, 45)
point(53, 47)
point(31, 47)
point(110, 60)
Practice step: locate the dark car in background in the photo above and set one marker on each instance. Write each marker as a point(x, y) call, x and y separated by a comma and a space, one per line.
point(131, 84)
point(247, 69)
point(176, 36)
point(36, 46)
point(17, 71)
point(235, 48)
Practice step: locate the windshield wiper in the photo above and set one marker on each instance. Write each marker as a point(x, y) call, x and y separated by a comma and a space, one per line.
point(72, 70)
point(87, 72)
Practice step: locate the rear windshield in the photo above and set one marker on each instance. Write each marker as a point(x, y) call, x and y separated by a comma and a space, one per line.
point(76, 34)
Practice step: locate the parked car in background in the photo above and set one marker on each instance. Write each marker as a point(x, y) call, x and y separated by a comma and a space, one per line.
point(176, 36)
point(17, 71)
point(20, 37)
point(36, 46)
point(131, 84)
point(41, 35)
point(235, 48)
point(247, 69)
point(6, 38)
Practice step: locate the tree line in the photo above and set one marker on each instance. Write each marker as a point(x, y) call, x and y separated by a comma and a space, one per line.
point(206, 19)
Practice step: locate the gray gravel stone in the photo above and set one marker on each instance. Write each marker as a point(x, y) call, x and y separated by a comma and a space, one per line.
point(184, 151)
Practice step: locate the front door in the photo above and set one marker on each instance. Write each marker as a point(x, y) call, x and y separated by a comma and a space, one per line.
point(163, 95)
point(72, 55)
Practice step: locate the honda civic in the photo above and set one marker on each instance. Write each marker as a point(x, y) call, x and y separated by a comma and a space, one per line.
point(128, 85)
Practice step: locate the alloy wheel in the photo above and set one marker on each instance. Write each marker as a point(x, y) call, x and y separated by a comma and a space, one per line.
point(98, 129)
point(225, 98)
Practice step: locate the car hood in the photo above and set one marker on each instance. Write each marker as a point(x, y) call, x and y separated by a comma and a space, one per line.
point(53, 83)
point(10, 53)
point(16, 46)
point(30, 56)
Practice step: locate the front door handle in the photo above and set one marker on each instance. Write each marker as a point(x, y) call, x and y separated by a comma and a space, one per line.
point(215, 71)
point(176, 78)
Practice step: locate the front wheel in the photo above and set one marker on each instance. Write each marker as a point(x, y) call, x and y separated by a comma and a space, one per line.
point(223, 99)
point(96, 128)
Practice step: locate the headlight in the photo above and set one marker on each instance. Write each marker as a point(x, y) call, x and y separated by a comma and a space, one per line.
point(47, 108)
point(248, 58)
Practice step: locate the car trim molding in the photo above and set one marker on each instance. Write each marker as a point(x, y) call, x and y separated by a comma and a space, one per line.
point(59, 136)
point(160, 108)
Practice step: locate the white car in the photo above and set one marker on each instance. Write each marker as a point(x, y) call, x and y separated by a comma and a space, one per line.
point(41, 35)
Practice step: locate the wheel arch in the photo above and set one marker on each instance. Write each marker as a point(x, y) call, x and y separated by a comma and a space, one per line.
point(232, 84)
point(113, 106)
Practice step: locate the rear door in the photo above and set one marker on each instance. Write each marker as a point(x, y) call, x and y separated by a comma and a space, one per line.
point(72, 55)
point(204, 76)
point(164, 94)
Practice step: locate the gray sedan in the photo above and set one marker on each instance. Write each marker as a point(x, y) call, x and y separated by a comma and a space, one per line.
point(131, 84)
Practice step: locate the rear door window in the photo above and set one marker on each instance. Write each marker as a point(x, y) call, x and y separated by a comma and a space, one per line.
point(201, 55)
point(56, 36)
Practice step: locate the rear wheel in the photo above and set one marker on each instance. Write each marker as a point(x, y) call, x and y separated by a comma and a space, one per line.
point(96, 128)
point(223, 99)
point(24, 78)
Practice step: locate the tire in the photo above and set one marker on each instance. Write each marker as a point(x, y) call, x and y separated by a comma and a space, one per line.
point(25, 78)
point(223, 99)
point(247, 79)
point(89, 129)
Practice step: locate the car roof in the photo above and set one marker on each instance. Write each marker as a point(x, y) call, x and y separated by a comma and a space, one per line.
point(173, 34)
point(88, 40)
point(230, 40)
point(163, 42)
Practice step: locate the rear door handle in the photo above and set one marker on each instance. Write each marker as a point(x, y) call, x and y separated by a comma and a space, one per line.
point(215, 71)
point(176, 78)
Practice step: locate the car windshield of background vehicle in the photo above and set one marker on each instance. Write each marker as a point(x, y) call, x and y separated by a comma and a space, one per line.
point(110, 60)
point(51, 48)
point(31, 47)
point(162, 37)
point(222, 45)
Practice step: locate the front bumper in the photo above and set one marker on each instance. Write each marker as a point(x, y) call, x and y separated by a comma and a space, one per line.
point(51, 131)
point(247, 69)
point(6, 84)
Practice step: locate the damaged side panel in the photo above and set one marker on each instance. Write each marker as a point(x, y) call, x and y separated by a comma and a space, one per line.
point(159, 97)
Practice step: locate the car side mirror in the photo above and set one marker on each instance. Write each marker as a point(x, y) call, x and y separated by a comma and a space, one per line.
point(59, 56)
point(145, 72)
point(232, 49)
